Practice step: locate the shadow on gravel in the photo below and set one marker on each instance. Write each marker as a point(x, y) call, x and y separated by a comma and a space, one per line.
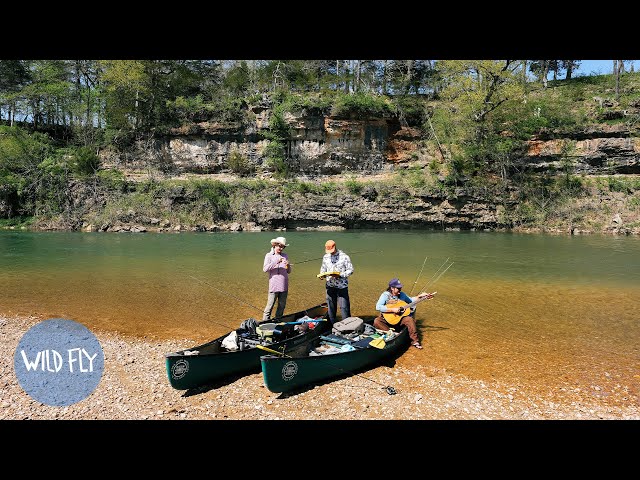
point(388, 362)
point(213, 386)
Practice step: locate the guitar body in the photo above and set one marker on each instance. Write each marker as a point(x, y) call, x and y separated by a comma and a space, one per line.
point(394, 318)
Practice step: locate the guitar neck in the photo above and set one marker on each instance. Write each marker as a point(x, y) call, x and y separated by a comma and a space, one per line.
point(413, 304)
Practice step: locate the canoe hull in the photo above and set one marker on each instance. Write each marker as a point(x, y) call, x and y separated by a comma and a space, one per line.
point(283, 374)
point(214, 363)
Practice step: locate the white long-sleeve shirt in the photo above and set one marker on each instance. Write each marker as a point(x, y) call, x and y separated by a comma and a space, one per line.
point(338, 262)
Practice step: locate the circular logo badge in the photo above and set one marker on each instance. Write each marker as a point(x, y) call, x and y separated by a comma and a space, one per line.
point(59, 362)
point(289, 370)
point(179, 369)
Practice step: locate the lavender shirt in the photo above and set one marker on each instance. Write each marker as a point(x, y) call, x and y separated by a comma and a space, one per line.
point(278, 275)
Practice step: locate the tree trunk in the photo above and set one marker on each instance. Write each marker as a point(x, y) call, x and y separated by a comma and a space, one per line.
point(135, 119)
point(569, 71)
point(618, 72)
point(524, 72)
point(545, 72)
point(407, 78)
point(384, 77)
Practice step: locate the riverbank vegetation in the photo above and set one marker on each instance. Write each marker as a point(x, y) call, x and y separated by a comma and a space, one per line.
point(60, 117)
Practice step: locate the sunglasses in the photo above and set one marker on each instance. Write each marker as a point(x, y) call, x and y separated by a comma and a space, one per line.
point(281, 246)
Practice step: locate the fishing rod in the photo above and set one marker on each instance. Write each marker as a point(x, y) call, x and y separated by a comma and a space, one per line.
point(429, 281)
point(390, 390)
point(419, 275)
point(441, 274)
point(228, 294)
point(319, 258)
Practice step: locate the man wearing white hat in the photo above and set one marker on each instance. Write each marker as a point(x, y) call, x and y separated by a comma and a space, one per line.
point(276, 264)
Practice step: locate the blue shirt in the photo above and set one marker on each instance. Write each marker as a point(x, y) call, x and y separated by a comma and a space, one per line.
point(386, 297)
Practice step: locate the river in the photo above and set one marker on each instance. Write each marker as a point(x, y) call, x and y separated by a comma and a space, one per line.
point(529, 309)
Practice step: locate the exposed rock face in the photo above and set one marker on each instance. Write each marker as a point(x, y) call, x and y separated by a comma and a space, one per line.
point(319, 144)
point(605, 149)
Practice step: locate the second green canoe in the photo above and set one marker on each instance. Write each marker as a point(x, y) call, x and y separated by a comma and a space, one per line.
point(329, 356)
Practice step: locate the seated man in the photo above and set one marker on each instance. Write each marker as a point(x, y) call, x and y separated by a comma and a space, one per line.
point(398, 314)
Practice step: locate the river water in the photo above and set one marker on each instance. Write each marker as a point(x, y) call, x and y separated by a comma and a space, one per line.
point(524, 309)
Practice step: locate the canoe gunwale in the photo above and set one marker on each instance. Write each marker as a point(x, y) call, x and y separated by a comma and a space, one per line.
point(187, 371)
point(284, 374)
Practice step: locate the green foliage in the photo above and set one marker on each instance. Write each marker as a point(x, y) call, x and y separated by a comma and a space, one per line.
point(326, 188)
point(541, 113)
point(412, 108)
point(226, 108)
point(31, 172)
point(86, 161)
point(253, 185)
point(237, 78)
point(300, 187)
point(20, 150)
point(414, 177)
point(52, 195)
point(362, 106)
point(216, 193)
point(275, 152)
point(16, 222)
point(313, 102)
point(353, 186)
point(239, 164)
point(623, 185)
point(457, 167)
point(278, 135)
point(112, 180)
point(187, 108)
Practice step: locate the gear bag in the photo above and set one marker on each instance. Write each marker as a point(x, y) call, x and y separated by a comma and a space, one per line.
point(348, 325)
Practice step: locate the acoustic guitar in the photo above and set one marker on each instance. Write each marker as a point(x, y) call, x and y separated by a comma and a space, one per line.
point(405, 309)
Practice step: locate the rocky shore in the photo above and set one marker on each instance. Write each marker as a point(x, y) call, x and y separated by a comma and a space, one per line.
point(134, 386)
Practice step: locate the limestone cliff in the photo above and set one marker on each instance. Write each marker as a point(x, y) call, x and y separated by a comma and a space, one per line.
point(320, 144)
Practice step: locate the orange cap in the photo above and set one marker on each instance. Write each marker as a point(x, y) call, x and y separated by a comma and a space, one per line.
point(330, 246)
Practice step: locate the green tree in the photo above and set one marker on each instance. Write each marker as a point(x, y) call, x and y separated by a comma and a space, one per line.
point(126, 86)
point(14, 74)
point(475, 90)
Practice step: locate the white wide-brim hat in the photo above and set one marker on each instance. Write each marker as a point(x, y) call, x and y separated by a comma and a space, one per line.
point(280, 240)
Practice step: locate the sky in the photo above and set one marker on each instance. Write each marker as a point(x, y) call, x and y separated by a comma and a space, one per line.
point(602, 67)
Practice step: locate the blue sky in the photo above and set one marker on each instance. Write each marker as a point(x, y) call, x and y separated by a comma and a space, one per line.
point(587, 67)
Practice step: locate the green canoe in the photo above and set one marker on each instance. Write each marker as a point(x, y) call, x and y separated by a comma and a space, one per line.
point(205, 364)
point(299, 369)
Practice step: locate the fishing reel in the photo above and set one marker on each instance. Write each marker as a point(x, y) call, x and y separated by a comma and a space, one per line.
point(390, 390)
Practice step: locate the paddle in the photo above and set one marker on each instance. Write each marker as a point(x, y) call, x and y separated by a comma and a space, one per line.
point(298, 322)
point(378, 343)
point(266, 349)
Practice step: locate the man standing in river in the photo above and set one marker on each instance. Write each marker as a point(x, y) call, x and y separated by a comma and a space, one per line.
point(338, 265)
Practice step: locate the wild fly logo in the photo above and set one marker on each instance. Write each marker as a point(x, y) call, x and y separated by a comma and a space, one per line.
point(59, 362)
